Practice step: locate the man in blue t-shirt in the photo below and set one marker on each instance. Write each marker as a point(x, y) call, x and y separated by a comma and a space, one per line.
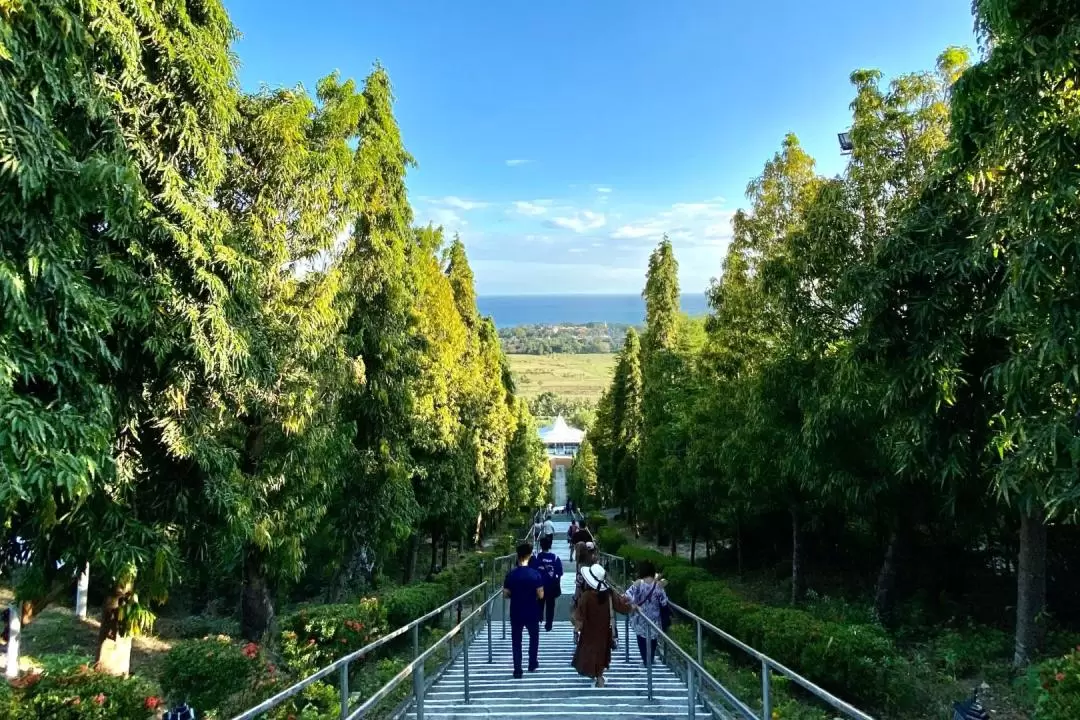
point(525, 588)
point(549, 566)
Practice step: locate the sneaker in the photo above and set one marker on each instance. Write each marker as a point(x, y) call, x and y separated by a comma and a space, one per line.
point(518, 674)
point(534, 668)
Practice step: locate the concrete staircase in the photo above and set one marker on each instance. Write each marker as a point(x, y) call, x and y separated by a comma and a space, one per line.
point(556, 689)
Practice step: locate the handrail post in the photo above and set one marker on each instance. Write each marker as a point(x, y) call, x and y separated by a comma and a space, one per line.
point(699, 646)
point(344, 686)
point(465, 657)
point(490, 657)
point(418, 690)
point(691, 695)
point(766, 691)
point(416, 641)
point(626, 634)
point(649, 663)
point(504, 617)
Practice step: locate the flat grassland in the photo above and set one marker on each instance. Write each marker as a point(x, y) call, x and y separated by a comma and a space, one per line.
point(572, 377)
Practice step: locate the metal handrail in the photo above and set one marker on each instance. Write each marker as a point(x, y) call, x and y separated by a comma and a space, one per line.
point(768, 665)
point(342, 663)
point(416, 667)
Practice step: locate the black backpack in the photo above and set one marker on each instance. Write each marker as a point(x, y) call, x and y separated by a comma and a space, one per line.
point(970, 709)
point(181, 712)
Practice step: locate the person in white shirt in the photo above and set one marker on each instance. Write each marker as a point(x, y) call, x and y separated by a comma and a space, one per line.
point(548, 529)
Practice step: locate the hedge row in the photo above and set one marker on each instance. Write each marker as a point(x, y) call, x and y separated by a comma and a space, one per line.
point(859, 663)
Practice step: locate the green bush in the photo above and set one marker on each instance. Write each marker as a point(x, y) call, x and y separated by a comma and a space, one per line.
point(963, 653)
point(80, 694)
point(1058, 695)
point(679, 577)
point(463, 575)
point(205, 673)
point(317, 636)
point(611, 540)
point(854, 661)
point(596, 521)
point(663, 562)
point(405, 604)
point(196, 627)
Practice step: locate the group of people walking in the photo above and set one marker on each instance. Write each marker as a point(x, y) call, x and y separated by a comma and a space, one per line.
point(535, 584)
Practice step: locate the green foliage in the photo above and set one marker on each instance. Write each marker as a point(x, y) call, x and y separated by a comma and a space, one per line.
point(596, 520)
point(961, 653)
point(405, 604)
point(610, 540)
point(1058, 695)
point(857, 662)
point(81, 694)
point(591, 338)
point(680, 578)
point(206, 673)
point(315, 637)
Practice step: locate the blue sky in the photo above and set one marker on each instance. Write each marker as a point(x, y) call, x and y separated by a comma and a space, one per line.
point(562, 138)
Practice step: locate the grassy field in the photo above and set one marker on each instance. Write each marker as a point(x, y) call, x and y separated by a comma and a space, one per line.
point(574, 377)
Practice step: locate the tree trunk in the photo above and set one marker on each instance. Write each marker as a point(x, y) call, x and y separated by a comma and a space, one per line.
point(434, 552)
point(1030, 588)
point(885, 595)
point(256, 600)
point(738, 550)
point(114, 647)
point(445, 551)
point(478, 536)
point(797, 580)
point(410, 561)
point(693, 546)
point(674, 545)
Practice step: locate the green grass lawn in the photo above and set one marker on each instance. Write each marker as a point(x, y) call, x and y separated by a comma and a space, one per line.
point(574, 377)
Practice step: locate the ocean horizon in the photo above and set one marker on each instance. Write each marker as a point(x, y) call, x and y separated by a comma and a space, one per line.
point(514, 310)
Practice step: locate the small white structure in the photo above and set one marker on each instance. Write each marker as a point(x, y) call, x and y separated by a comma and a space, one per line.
point(562, 443)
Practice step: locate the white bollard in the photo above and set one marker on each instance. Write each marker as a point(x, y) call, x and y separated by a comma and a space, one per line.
point(80, 592)
point(14, 631)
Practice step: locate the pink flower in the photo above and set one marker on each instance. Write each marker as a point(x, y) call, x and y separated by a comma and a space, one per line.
point(100, 698)
point(1059, 677)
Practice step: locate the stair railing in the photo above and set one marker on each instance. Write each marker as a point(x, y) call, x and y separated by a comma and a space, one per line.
point(417, 667)
point(618, 566)
point(342, 664)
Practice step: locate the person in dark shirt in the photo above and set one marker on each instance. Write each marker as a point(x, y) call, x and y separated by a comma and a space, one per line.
point(525, 588)
point(583, 535)
point(549, 565)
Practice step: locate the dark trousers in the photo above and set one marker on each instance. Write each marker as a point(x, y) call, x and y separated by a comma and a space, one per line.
point(550, 596)
point(644, 647)
point(516, 628)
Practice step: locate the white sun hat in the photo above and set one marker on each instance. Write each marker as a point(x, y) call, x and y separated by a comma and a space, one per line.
point(594, 575)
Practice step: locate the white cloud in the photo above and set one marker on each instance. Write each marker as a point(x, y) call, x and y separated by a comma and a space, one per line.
point(576, 250)
point(460, 203)
point(706, 223)
point(525, 207)
point(517, 161)
point(580, 222)
point(603, 190)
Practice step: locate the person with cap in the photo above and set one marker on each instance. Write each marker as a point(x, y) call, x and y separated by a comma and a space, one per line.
point(550, 568)
point(596, 611)
point(584, 556)
point(525, 588)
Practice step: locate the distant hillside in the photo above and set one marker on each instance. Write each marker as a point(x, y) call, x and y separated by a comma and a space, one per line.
point(590, 338)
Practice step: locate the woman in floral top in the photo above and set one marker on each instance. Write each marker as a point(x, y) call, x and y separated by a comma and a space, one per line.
point(648, 594)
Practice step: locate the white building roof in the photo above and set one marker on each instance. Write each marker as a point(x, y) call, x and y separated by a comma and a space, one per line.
point(559, 433)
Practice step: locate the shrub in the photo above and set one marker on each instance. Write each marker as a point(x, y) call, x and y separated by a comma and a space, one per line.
point(205, 673)
point(1058, 695)
point(611, 540)
point(461, 576)
point(315, 637)
point(405, 604)
point(854, 661)
point(679, 577)
point(663, 562)
point(82, 694)
point(596, 521)
point(962, 653)
point(196, 627)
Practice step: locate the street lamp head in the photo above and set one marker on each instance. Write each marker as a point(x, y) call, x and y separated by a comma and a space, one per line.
point(846, 146)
